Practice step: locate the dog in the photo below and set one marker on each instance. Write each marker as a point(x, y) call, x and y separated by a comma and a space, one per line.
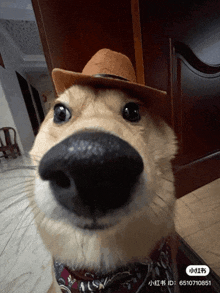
point(103, 197)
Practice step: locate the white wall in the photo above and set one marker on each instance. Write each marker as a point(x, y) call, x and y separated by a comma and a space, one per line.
point(13, 95)
point(16, 9)
point(6, 119)
point(17, 108)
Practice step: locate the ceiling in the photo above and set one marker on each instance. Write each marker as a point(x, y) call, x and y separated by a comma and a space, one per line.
point(24, 34)
point(19, 28)
point(200, 30)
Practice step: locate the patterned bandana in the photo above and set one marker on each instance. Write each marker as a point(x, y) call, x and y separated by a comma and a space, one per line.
point(154, 275)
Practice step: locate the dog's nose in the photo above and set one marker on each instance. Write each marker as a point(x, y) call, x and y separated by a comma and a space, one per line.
point(92, 173)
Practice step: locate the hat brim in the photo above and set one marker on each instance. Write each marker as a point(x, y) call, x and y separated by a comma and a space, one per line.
point(64, 79)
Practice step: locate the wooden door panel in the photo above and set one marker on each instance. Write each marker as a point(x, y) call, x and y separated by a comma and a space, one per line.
point(73, 31)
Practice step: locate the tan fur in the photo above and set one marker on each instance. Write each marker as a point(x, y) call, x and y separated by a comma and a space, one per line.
point(145, 221)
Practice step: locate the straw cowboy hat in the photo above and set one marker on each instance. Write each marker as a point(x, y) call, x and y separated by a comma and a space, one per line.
point(107, 69)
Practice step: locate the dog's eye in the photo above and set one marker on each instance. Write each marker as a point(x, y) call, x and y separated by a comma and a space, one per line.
point(131, 112)
point(61, 114)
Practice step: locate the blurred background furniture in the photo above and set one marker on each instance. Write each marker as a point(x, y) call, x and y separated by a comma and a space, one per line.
point(8, 143)
point(194, 91)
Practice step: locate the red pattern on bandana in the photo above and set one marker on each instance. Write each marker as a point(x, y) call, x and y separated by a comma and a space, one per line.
point(151, 276)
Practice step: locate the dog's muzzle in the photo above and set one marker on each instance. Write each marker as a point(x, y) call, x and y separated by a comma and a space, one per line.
point(92, 173)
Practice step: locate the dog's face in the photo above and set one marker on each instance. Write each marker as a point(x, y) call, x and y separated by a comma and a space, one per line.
point(104, 185)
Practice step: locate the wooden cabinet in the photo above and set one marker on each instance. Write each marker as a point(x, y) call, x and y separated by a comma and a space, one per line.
point(170, 32)
point(197, 102)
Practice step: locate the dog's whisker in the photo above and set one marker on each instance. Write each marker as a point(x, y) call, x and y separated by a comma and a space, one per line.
point(19, 197)
point(166, 179)
point(14, 203)
point(21, 200)
point(159, 207)
point(18, 168)
point(21, 177)
point(20, 184)
point(154, 211)
point(27, 227)
point(161, 198)
point(14, 230)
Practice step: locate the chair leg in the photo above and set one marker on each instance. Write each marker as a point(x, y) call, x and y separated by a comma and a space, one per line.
point(13, 153)
point(5, 155)
point(18, 150)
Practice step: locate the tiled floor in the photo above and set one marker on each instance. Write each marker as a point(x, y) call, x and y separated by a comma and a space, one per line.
point(197, 221)
point(22, 254)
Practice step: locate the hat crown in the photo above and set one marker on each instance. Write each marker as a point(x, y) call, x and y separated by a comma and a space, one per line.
point(109, 62)
point(107, 69)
